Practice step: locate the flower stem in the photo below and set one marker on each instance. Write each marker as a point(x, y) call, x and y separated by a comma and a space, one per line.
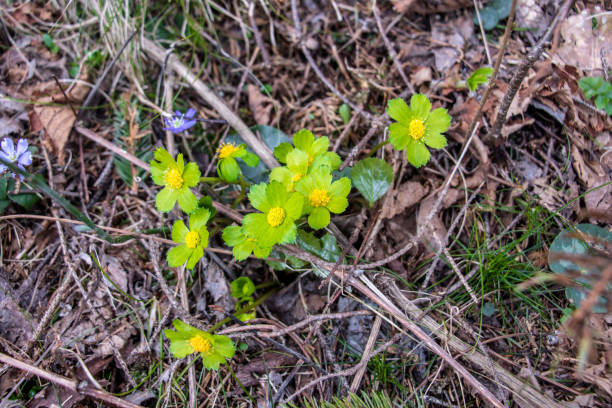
point(243, 189)
point(245, 309)
point(377, 148)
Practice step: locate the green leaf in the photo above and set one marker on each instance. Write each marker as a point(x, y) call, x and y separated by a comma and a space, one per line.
point(565, 243)
point(488, 309)
point(281, 151)
point(250, 159)
point(3, 205)
point(48, 41)
point(319, 218)
point(165, 199)
point(242, 287)
point(491, 14)
point(372, 177)
point(479, 77)
point(345, 113)
point(228, 169)
point(207, 202)
point(3, 188)
point(25, 200)
point(177, 255)
point(417, 154)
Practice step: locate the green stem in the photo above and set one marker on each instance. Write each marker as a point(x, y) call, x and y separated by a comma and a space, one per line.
point(245, 309)
point(211, 180)
point(243, 189)
point(240, 384)
point(377, 148)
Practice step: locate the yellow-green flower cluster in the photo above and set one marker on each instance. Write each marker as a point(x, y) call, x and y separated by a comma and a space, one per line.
point(303, 186)
point(178, 178)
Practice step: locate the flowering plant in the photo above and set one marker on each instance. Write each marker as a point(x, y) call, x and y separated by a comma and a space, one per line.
point(227, 167)
point(20, 156)
point(323, 196)
point(192, 240)
point(180, 122)
point(177, 178)
point(186, 340)
point(416, 127)
point(275, 224)
point(244, 245)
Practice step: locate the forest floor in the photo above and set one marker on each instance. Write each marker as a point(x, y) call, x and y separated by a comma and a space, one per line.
point(443, 292)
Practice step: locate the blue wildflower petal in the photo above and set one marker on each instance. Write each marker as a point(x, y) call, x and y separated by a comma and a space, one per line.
point(8, 148)
point(22, 147)
point(190, 113)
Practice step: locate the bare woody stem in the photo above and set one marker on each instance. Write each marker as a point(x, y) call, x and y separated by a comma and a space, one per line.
point(72, 385)
point(158, 54)
point(521, 72)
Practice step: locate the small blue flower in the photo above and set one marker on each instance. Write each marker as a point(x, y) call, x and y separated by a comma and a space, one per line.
point(180, 122)
point(20, 156)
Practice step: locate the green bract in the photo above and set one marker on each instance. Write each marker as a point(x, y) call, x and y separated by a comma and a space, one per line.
point(279, 210)
point(322, 197)
point(192, 240)
point(242, 287)
point(315, 149)
point(243, 245)
point(227, 167)
point(213, 349)
point(416, 127)
point(177, 179)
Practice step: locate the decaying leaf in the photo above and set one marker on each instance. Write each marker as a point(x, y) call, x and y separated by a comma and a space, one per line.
point(53, 114)
point(583, 41)
point(407, 195)
point(593, 175)
point(260, 105)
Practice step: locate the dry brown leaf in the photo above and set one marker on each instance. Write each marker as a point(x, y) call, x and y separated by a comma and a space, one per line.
point(260, 105)
point(582, 43)
point(408, 194)
point(455, 35)
point(55, 117)
point(434, 232)
point(593, 175)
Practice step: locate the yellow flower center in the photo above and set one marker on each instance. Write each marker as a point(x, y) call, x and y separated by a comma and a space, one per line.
point(416, 129)
point(192, 239)
point(319, 198)
point(200, 345)
point(297, 177)
point(276, 216)
point(226, 150)
point(174, 179)
point(310, 159)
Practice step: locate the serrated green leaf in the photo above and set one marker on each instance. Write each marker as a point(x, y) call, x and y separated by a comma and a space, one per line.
point(372, 177)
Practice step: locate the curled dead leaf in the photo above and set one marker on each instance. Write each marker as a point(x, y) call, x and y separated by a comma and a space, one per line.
point(54, 115)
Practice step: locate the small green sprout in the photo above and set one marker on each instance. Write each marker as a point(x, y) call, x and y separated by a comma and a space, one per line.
point(227, 167)
point(177, 179)
point(416, 127)
point(186, 340)
point(600, 89)
point(243, 244)
point(323, 196)
point(243, 303)
point(192, 240)
point(242, 287)
point(279, 210)
point(479, 77)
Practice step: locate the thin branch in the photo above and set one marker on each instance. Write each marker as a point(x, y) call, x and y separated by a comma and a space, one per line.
point(390, 48)
point(158, 54)
point(298, 29)
point(72, 385)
